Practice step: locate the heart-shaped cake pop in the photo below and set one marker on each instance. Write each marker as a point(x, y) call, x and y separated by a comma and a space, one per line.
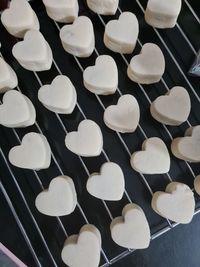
point(59, 199)
point(19, 18)
point(121, 35)
point(147, 67)
point(103, 7)
point(197, 184)
point(162, 14)
point(59, 96)
point(87, 141)
point(188, 147)
point(62, 10)
point(34, 152)
point(102, 78)
point(108, 184)
point(8, 78)
point(176, 203)
point(153, 159)
point(83, 249)
point(77, 41)
point(123, 117)
point(17, 110)
point(172, 108)
point(33, 53)
point(131, 230)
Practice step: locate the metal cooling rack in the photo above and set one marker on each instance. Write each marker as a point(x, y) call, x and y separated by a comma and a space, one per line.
point(45, 236)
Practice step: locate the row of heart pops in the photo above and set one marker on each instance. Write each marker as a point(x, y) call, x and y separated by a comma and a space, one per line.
point(131, 230)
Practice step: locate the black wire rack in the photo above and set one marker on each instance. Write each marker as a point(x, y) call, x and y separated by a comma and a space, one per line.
point(45, 235)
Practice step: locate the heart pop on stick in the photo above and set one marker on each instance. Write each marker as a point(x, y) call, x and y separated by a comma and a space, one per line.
point(103, 7)
point(176, 203)
point(83, 249)
point(8, 78)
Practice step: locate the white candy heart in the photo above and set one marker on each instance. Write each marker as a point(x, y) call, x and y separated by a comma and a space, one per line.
point(153, 159)
point(103, 7)
point(162, 14)
point(121, 35)
point(131, 230)
point(102, 78)
point(19, 18)
point(172, 108)
point(83, 249)
point(176, 203)
point(123, 117)
point(59, 199)
point(60, 96)
point(8, 78)
point(33, 53)
point(147, 67)
point(188, 147)
point(17, 110)
point(87, 141)
point(197, 184)
point(109, 184)
point(33, 153)
point(77, 41)
point(62, 10)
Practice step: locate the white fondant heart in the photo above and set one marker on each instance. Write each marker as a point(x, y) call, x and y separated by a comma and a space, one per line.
point(131, 230)
point(197, 184)
point(103, 7)
point(77, 41)
point(172, 108)
point(59, 199)
point(162, 14)
point(176, 203)
point(83, 249)
point(87, 141)
point(102, 78)
point(188, 147)
point(153, 159)
point(109, 184)
point(33, 153)
point(19, 18)
point(147, 67)
point(123, 117)
point(33, 53)
point(62, 10)
point(17, 110)
point(121, 35)
point(60, 96)
point(8, 78)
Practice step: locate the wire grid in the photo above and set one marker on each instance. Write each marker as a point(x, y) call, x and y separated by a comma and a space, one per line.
point(82, 215)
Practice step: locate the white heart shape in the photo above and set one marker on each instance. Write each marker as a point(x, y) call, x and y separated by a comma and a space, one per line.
point(172, 108)
point(17, 110)
point(197, 184)
point(102, 78)
point(8, 78)
point(176, 203)
point(103, 7)
point(162, 14)
point(33, 153)
point(121, 35)
point(62, 10)
point(33, 53)
point(123, 117)
point(188, 147)
point(147, 67)
point(83, 249)
point(59, 96)
point(153, 159)
point(131, 230)
point(87, 141)
point(109, 184)
point(77, 41)
point(59, 199)
point(19, 18)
